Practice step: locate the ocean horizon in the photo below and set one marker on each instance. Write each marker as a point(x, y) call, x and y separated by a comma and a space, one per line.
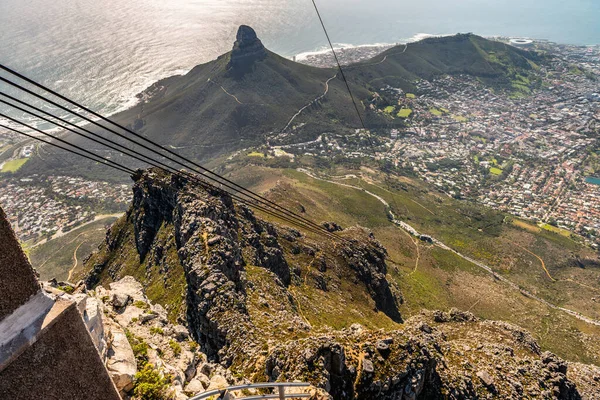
point(103, 54)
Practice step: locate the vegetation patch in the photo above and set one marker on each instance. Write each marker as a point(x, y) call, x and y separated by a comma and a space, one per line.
point(389, 109)
point(139, 347)
point(555, 229)
point(525, 225)
point(151, 385)
point(404, 113)
point(14, 165)
point(255, 154)
point(436, 112)
point(575, 70)
point(156, 330)
point(176, 347)
point(141, 304)
point(410, 96)
point(495, 171)
point(66, 288)
point(459, 118)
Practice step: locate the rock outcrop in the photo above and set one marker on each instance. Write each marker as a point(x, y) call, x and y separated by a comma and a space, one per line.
point(120, 361)
point(215, 241)
point(450, 355)
point(454, 359)
point(262, 300)
point(247, 49)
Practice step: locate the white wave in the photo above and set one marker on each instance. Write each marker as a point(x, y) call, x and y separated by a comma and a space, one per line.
point(338, 46)
point(420, 36)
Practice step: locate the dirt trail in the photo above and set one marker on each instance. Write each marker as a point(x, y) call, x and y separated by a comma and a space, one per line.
point(62, 247)
point(231, 95)
point(539, 258)
point(550, 276)
point(310, 103)
point(379, 62)
point(75, 262)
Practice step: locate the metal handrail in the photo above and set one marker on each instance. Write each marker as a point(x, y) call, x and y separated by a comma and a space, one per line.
point(276, 396)
point(281, 386)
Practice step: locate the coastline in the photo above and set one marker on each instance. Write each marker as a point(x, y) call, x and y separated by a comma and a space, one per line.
point(320, 57)
point(350, 53)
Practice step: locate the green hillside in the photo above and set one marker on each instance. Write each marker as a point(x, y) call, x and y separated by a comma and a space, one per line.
point(495, 63)
point(431, 277)
point(225, 104)
point(250, 95)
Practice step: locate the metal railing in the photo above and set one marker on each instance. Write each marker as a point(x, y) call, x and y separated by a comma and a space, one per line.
point(280, 386)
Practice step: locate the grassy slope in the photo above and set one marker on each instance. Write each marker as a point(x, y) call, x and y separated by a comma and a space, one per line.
point(13, 165)
point(441, 279)
point(204, 118)
point(494, 63)
point(54, 259)
point(165, 286)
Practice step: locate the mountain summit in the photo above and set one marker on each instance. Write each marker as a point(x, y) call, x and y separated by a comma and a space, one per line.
point(239, 99)
point(247, 49)
point(251, 95)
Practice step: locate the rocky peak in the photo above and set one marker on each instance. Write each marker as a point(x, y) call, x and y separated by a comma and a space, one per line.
point(259, 301)
point(246, 36)
point(223, 250)
point(246, 50)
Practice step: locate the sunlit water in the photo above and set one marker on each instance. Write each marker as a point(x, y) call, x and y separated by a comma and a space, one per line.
point(104, 52)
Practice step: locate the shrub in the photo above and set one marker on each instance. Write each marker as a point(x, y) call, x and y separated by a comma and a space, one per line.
point(139, 347)
point(67, 288)
point(150, 385)
point(176, 347)
point(141, 304)
point(155, 329)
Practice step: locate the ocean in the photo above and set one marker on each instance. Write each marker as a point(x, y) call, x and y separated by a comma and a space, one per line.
point(103, 52)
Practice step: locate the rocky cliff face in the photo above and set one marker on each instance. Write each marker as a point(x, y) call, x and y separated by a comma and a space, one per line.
point(246, 50)
point(215, 241)
point(449, 355)
point(436, 355)
point(265, 302)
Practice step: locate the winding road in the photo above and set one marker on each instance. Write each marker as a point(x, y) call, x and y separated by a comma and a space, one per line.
point(403, 225)
point(310, 103)
point(75, 262)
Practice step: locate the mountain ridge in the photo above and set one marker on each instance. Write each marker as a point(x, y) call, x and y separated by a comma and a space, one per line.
point(258, 96)
point(241, 286)
point(494, 62)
